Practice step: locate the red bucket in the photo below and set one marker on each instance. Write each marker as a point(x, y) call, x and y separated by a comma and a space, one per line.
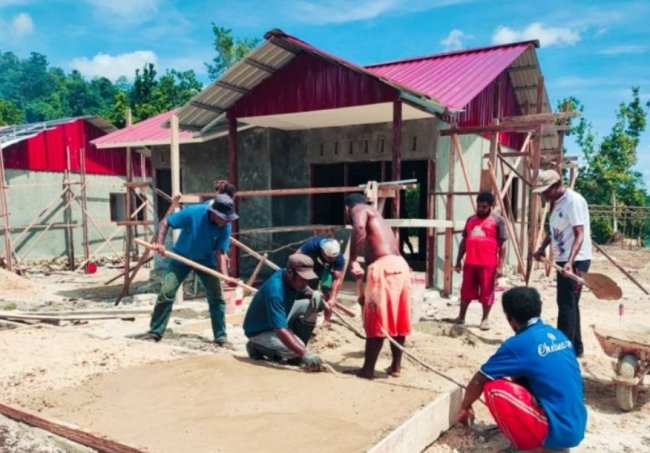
point(91, 268)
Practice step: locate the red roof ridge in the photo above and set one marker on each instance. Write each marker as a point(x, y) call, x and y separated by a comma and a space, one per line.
point(534, 42)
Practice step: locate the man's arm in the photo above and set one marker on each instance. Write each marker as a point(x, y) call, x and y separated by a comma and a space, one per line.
point(579, 238)
point(359, 221)
point(539, 254)
point(461, 254)
point(503, 251)
point(289, 340)
point(159, 240)
point(472, 393)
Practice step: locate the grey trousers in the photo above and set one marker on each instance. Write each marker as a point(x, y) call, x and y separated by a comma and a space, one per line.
point(301, 320)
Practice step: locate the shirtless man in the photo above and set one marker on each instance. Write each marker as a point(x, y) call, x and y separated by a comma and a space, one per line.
point(385, 300)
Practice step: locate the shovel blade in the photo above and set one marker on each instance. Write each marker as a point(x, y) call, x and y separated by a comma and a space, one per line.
point(602, 286)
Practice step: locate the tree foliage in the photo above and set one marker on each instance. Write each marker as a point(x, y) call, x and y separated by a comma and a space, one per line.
point(608, 176)
point(229, 50)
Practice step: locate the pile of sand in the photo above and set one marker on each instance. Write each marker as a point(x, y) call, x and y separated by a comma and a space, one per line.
point(16, 288)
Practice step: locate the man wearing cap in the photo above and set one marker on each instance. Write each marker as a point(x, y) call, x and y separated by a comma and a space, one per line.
point(204, 238)
point(570, 236)
point(278, 324)
point(328, 265)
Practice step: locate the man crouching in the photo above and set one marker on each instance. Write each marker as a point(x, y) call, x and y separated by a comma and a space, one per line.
point(277, 325)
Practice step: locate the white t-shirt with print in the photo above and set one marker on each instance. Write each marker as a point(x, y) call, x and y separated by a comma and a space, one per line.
point(570, 210)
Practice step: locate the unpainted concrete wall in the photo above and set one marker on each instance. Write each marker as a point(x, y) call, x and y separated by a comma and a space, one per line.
point(30, 192)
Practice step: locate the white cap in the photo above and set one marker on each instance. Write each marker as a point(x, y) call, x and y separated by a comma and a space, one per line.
point(330, 247)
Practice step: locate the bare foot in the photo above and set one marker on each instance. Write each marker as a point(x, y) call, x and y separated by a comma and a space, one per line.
point(393, 372)
point(485, 325)
point(365, 375)
point(459, 321)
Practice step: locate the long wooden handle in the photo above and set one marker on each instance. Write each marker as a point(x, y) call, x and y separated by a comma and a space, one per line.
point(198, 266)
point(207, 270)
point(571, 275)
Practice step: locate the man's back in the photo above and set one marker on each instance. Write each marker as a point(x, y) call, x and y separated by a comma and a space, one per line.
point(542, 358)
point(380, 240)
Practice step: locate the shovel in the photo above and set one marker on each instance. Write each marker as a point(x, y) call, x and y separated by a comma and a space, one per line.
point(601, 285)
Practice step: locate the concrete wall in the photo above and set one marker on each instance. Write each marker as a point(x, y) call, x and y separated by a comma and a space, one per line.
point(30, 192)
point(271, 158)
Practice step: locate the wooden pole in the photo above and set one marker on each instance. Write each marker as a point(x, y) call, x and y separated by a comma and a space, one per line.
point(509, 226)
point(128, 208)
point(397, 154)
point(461, 158)
point(233, 177)
point(626, 273)
point(84, 203)
point(253, 253)
point(449, 232)
point(4, 207)
point(67, 214)
point(431, 232)
point(66, 430)
point(175, 163)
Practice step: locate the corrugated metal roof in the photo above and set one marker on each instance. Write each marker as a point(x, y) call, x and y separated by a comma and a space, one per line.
point(149, 132)
point(453, 78)
point(208, 108)
point(10, 135)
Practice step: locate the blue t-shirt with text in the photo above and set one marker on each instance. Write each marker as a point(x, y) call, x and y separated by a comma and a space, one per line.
point(199, 237)
point(542, 358)
point(270, 306)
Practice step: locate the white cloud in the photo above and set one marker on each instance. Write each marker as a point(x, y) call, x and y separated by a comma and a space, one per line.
point(547, 36)
point(343, 11)
point(454, 40)
point(623, 49)
point(114, 66)
point(22, 25)
point(129, 11)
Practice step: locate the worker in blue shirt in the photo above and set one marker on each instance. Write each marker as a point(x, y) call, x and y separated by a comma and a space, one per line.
point(279, 321)
point(204, 238)
point(541, 406)
point(329, 264)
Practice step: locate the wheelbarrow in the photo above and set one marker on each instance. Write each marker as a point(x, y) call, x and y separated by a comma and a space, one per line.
point(631, 347)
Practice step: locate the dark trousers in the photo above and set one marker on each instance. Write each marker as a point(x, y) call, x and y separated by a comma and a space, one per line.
point(174, 275)
point(568, 304)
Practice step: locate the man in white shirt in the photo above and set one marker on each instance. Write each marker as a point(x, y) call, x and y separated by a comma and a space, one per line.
point(570, 236)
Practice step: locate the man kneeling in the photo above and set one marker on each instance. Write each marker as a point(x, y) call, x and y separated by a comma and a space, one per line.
point(542, 407)
point(277, 325)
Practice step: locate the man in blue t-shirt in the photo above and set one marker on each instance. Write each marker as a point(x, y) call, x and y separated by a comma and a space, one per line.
point(204, 238)
point(328, 265)
point(543, 406)
point(278, 324)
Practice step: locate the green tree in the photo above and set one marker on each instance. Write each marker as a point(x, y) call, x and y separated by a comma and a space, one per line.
point(10, 114)
point(175, 88)
point(229, 50)
point(607, 176)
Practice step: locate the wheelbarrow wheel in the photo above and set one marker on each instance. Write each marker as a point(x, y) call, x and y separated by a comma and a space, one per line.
point(626, 395)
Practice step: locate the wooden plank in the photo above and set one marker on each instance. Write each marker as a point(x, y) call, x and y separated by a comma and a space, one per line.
point(67, 430)
point(262, 258)
point(449, 232)
point(626, 273)
point(459, 153)
point(61, 318)
point(424, 223)
point(431, 232)
point(397, 153)
point(233, 178)
point(509, 226)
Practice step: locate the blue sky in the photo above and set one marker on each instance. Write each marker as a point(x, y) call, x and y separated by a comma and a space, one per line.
point(594, 50)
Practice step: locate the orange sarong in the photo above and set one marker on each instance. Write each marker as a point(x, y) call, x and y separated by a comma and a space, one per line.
point(387, 298)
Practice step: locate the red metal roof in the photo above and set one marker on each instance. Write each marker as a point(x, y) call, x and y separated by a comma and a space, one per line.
point(454, 78)
point(145, 133)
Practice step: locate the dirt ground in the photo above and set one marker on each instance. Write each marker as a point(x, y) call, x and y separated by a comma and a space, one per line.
point(456, 352)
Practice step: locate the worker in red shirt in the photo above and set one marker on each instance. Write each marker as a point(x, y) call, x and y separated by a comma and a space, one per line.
point(484, 248)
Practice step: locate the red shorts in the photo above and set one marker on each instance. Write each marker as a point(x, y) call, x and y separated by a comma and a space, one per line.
point(516, 414)
point(478, 284)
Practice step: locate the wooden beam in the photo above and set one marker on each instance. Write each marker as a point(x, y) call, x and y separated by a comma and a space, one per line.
point(233, 177)
point(514, 170)
point(231, 87)
point(66, 430)
point(4, 212)
point(459, 151)
point(431, 232)
point(449, 232)
point(522, 68)
point(397, 152)
point(259, 65)
point(208, 107)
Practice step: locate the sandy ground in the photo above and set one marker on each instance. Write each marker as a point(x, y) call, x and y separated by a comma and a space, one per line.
point(455, 352)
